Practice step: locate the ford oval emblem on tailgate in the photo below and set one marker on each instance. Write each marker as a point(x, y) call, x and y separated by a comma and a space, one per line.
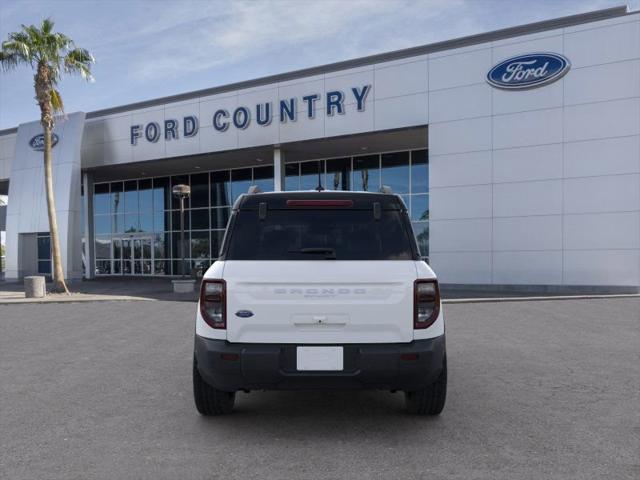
point(244, 313)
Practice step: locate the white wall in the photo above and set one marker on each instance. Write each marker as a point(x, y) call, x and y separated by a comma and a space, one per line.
point(7, 151)
point(539, 186)
point(27, 206)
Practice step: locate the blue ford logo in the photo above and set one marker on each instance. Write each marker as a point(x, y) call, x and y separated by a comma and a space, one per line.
point(244, 313)
point(37, 142)
point(528, 71)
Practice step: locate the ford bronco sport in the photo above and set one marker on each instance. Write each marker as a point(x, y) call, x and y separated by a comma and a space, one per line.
point(319, 290)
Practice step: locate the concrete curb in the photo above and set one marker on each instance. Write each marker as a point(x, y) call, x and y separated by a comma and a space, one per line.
point(536, 299)
point(76, 299)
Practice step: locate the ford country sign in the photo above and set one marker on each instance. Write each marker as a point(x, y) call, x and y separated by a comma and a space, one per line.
point(528, 71)
point(37, 142)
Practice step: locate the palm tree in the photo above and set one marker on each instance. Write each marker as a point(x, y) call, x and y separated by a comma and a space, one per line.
point(49, 54)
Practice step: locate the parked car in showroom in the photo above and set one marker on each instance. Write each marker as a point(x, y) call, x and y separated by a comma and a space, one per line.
point(319, 290)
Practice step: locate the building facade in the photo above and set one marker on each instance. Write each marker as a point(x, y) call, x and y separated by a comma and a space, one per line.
point(517, 153)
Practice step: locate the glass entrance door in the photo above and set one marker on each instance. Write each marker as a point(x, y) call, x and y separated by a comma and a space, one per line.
point(133, 256)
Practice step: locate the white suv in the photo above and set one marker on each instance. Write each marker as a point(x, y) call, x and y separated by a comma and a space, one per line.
point(319, 290)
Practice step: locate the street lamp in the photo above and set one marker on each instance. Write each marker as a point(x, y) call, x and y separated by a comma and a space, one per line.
point(182, 192)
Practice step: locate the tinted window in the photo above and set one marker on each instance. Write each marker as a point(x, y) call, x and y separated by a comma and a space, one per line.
point(319, 235)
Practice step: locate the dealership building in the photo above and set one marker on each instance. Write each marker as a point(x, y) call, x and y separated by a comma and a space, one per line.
point(517, 153)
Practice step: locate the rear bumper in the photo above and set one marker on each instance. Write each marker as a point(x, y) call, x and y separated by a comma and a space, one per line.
point(252, 366)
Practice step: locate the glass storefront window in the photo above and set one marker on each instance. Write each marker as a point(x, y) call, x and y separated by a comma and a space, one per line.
point(131, 223)
point(200, 245)
point(117, 248)
point(220, 191)
point(420, 207)
point(162, 267)
point(419, 171)
point(175, 245)
point(145, 195)
point(103, 247)
point(395, 171)
point(161, 221)
point(240, 182)
point(131, 203)
point(160, 245)
point(292, 176)
point(161, 194)
point(216, 242)
point(117, 223)
point(339, 174)
point(117, 192)
point(175, 220)
point(219, 217)
point(146, 222)
point(101, 199)
point(263, 178)
point(421, 231)
point(200, 219)
point(144, 210)
point(366, 173)
point(312, 173)
point(102, 224)
point(200, 190)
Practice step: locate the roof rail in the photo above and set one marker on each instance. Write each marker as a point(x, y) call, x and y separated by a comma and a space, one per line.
point(385, 189)
point(254, 189)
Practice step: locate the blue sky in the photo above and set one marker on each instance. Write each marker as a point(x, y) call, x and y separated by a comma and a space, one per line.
point(149, 49)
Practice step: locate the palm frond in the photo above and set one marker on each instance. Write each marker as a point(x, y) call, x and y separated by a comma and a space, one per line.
point(47, 26)
point(56, 101)
point(19, 46)
point(9, 61)
point(79, 61)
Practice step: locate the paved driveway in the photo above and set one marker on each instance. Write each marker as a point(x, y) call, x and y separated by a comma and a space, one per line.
point(537, 390)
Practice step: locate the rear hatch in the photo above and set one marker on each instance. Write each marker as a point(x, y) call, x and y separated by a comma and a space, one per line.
point(320, 302)
point(322, 271)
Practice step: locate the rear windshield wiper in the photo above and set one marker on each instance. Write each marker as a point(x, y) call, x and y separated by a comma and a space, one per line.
point(330, 253)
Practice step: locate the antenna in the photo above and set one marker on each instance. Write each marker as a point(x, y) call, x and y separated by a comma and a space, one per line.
point(319, 188)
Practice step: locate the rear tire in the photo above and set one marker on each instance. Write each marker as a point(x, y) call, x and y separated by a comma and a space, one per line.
point(209, 400)
point(431, 399)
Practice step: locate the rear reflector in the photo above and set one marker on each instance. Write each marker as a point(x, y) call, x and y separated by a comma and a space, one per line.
point(319, 203)
point(231, 357)
point(409, 357)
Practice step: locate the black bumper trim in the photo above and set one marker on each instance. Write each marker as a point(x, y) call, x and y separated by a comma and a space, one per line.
point(253, 366)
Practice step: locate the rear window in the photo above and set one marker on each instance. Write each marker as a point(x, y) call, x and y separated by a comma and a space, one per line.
point(306, 234)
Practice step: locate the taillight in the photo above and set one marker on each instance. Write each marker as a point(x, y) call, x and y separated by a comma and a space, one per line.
point(213, 306)
point(426, 303)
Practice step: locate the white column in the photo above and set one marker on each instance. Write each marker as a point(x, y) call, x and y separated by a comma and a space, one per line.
point(89, 262)
point(278, 170)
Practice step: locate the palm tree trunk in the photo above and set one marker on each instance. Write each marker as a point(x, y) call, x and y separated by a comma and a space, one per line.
point(59, 284)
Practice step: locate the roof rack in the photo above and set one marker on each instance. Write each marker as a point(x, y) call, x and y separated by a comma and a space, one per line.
point(386, 189)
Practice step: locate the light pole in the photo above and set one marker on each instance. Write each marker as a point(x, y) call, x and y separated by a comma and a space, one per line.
point(182, 192)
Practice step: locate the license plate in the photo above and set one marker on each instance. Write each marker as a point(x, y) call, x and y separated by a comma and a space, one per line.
point(319, 358)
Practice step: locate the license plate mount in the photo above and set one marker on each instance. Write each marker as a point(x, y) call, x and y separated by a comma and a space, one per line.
point(320, 358)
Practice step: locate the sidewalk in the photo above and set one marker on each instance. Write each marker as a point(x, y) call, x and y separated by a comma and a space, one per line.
point(103, 289)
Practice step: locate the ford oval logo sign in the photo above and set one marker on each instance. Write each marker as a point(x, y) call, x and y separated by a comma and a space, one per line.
point(37, 142)
point(244, 313)
point(528, 71)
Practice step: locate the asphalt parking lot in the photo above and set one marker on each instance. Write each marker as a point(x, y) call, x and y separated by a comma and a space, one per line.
point(543, 389)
